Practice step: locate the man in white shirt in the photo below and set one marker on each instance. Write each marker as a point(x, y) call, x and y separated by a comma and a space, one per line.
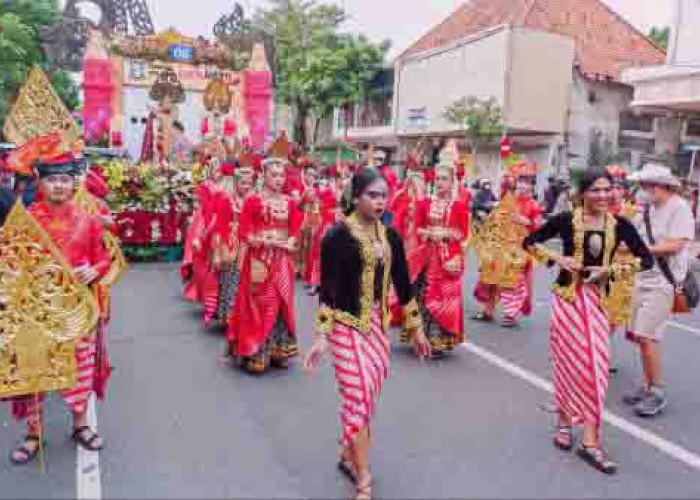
point(672, 230)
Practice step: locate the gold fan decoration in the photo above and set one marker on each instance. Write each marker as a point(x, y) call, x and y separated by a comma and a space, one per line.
point(43, 309)
point(86, 203)
point(38, 111)
point(499, 246)
point(218, 96)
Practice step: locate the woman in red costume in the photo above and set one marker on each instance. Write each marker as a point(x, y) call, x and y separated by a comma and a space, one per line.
point(227, 251)
point(309, 204)
point(262, 327)
point(437, 264)
point(515, 302)
point(405, 209)
point(330, 201)
point(79, 236)
point(195, 262)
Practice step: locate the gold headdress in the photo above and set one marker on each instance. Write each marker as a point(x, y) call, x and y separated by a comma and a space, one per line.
point(44, 309)
point(38, 111)
point(279, 151)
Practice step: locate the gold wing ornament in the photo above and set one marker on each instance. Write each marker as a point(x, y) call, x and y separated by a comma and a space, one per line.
point(86, 203)
point(43, 309)
point(37, 111)
point(498, 244)
point(618, 301)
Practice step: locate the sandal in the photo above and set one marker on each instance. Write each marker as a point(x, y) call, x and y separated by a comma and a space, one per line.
point(564, 438)
point(509, 323)
point(87, 442)
point(483, 317)
point(348, 469)
point(364, 488)
point(597, 458)
point(26, 454)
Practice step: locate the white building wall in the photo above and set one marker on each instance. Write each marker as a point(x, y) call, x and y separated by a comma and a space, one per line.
point(435, 81)
point(595, 108)
point(685, 36)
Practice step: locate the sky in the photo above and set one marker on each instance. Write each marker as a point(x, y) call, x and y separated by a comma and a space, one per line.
point(401, 21)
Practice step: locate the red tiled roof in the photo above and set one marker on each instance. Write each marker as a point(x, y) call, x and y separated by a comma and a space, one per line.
point(606, 44)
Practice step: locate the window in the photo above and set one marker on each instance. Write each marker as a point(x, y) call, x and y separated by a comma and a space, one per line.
point(693, 128)
point(636, 123)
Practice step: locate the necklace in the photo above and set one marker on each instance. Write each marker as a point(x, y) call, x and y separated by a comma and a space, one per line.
point(569, 292)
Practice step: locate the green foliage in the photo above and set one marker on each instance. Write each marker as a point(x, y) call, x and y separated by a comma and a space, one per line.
point(316, 66)
point(20, 49)
point(479, 118)
point(67, 89)
point(660, 36)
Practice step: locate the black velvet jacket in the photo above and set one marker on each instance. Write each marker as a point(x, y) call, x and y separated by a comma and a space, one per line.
point(562, 226)
point(353, 279)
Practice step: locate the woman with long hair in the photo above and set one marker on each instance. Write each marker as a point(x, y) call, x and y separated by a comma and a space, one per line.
point(360, 260)
point(261, 329)
point(580, 325)
point(437, 262)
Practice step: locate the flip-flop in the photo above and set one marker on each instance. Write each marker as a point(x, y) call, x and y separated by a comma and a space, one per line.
point(348, 469)
point(29, 455)
point(87, 443)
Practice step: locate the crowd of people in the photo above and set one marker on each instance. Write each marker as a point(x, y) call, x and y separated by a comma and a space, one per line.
point(381, 253)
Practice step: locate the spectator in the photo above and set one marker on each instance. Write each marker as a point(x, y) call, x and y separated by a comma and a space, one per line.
point(671, 223)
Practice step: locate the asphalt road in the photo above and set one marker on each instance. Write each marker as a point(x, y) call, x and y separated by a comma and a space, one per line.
point(181, 423)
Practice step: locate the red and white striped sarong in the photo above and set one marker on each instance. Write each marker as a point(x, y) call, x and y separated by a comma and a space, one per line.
point(513, 300)
point(580, 355)
point(361, 363)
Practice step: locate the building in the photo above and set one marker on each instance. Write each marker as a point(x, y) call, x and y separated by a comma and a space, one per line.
point(553, 65)
point(595, 110)
point(671, 91)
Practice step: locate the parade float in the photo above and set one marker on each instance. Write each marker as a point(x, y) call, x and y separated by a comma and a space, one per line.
point(167, 107)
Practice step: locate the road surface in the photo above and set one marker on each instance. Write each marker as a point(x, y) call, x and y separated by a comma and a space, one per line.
point(181, 423)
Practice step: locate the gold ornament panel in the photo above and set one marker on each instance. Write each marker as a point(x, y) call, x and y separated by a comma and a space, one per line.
point(498, 244)
point(43, 309)
point(37, 111)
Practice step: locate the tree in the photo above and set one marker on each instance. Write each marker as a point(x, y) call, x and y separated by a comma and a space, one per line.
point(480, 120)
point(659, 36)
point(20, 49)
point(316, 66)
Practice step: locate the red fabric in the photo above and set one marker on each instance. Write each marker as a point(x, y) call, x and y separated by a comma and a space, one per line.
point(98, 88)
point(96, 184)
point(137, 228)
point(329, 212)
point(529, 207)
point(257, 105)
point(293, 184)
point(443, 295)
point(506, 148)
point(77, 234)
point(391, 179)
point(259, 305)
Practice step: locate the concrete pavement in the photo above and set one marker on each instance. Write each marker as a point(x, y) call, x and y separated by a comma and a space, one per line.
point(181, 423)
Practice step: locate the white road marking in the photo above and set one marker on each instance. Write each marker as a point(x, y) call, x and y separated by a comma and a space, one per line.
point(669, 448)
point(685, 328)
point(87, 467)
